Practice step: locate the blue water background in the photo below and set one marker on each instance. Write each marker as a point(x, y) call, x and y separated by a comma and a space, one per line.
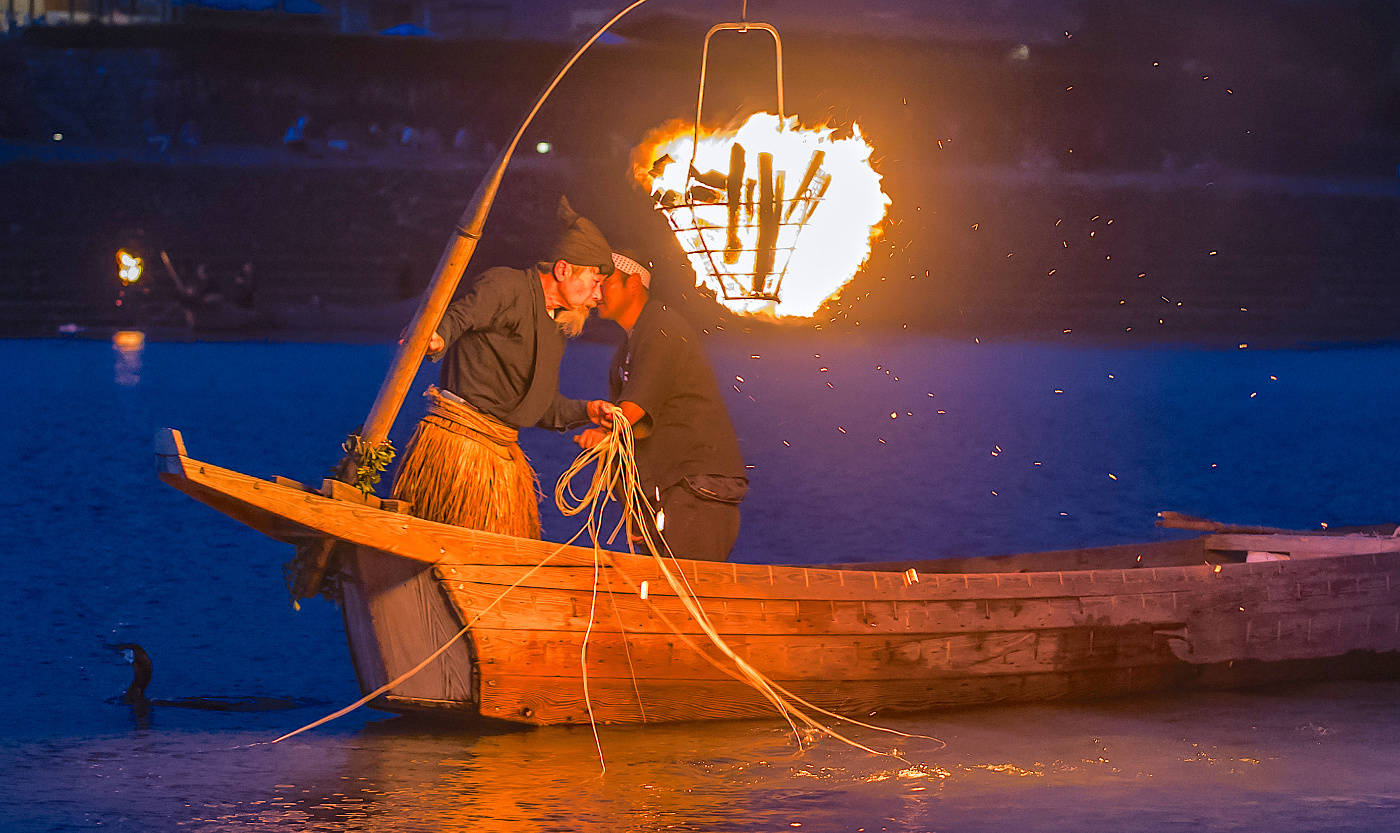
point(886, 448)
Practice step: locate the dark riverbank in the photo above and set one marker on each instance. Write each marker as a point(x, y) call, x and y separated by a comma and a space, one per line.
point(1073, 189)
point(982, 253)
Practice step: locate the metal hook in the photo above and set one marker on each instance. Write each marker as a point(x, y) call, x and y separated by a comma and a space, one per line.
point(704, 62)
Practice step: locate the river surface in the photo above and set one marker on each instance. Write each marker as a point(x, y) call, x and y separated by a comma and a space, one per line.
point(861, 449)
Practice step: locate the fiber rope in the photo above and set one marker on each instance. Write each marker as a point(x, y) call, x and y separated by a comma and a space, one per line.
point(616, 471)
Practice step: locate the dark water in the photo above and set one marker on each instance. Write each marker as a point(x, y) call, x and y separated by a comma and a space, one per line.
point(1037, 447)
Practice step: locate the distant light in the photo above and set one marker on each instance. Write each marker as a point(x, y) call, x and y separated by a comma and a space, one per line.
point(543, 147)
point(58, 137)
point(1022, 52)
point(129, 267)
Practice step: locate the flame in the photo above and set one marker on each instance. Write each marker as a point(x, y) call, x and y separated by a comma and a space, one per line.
point(776, 237)
point(129, 267)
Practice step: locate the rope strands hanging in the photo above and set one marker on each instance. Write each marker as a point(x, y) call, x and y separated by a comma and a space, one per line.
point(615, 477)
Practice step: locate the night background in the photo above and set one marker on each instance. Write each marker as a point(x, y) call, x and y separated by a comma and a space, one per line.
point(1246, 153)
point(1139, 257)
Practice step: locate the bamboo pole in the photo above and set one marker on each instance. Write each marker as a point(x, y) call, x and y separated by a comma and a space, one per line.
point(448, 275)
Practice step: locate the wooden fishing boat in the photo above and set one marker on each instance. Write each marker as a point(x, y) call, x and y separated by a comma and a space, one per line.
point(559, 634)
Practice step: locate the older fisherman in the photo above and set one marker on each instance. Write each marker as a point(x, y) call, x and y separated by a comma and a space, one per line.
point(500, 347)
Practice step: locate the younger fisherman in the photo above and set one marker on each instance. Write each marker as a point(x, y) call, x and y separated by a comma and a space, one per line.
point(688, 457)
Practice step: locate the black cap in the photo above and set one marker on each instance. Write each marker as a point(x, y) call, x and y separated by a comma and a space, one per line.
point(579, 241)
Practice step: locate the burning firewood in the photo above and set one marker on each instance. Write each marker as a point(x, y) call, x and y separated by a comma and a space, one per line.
point(699, 193)
point(767, 224)
point(712, 179)
point(810, 201)
point(736, 181)
point(751, 228)
point(801, 195)
point(658, 168)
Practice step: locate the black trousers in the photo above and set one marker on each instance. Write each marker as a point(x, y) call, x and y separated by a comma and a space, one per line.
point(697, 528)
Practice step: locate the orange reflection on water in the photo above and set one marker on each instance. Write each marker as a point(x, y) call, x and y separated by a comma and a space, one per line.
point(129, 345)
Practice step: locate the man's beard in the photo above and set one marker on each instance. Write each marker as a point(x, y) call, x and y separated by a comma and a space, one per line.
point(570, 319)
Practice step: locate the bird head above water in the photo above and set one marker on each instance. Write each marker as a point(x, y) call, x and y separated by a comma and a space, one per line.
point(140, 672)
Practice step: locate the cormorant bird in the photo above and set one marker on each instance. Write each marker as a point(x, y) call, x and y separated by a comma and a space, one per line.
point(141, 671)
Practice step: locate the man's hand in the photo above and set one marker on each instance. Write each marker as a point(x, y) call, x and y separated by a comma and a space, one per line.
point(436, 344)
point(601, 412)
point(591, 437)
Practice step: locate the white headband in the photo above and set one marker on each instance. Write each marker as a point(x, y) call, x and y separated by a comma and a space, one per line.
point(631, 267)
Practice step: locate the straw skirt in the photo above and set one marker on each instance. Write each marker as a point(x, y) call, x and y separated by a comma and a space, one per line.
point(465, 468)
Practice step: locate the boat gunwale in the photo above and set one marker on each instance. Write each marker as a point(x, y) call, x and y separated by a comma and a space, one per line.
point(295, 516)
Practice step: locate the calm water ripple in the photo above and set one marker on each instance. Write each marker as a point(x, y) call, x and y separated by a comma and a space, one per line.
point(875, 449)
